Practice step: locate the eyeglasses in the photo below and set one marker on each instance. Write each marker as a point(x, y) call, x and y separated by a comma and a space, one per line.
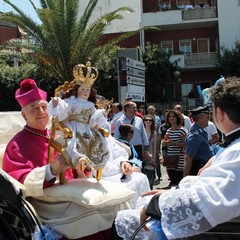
point(147, 120)
point(132, 131)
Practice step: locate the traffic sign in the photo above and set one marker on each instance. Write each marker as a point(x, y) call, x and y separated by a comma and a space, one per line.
point(135, 80)
point(136, 72)
point(132, 53)
point(136, 97)
point(135, 64)
point(131, 78)
point(135, 89)
point(137, 93)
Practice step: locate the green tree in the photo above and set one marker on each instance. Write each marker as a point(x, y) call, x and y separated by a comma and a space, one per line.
point(10, 78)
point(230, 61)
point(159, 70)
point(63, 39)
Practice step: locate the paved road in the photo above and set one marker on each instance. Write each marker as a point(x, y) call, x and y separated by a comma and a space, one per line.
point(164, 183)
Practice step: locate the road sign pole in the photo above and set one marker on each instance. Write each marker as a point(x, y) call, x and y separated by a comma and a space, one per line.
point(118, 82)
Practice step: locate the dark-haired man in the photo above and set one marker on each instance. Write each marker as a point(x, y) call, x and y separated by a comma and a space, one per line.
point(139, 140)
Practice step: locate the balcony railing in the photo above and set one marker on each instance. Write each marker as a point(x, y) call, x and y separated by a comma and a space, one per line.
point(208, 58)
point(200, 13)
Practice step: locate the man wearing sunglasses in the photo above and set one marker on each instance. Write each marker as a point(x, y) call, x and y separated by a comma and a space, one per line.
point(139, 140)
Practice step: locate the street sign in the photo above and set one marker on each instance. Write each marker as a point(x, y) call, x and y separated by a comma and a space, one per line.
point(137, 93)
point(135, 80)
point(135, 89)
point(131, 74)
point(132, 53)
point(135, 64)
point(129, 62)
point(136, 72)
point(136, 97)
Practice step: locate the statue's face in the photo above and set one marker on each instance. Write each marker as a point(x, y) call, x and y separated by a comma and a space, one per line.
point(84, 91)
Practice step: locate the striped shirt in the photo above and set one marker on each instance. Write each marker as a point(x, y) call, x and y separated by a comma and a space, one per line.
point(176, 136)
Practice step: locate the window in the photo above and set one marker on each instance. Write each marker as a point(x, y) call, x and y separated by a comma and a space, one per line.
point(167, 46)
point(203, 45)
point(164, 4)
point(186, 88)
point(185, 46)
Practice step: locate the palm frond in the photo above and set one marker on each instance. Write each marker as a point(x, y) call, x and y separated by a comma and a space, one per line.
point(64, 39)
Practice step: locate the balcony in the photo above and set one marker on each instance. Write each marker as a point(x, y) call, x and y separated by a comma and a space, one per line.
point(201, 13)
point(196, 60)
point(180, 19)
point(201, 59)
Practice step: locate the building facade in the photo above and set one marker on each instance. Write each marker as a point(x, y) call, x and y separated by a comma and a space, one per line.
point(9, 31)
point(193, 31)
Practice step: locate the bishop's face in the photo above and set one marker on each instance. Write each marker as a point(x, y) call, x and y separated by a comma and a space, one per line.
point(84, 91)
point(36, 115)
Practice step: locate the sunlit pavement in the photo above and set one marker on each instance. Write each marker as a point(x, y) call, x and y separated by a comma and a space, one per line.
point(164, 183)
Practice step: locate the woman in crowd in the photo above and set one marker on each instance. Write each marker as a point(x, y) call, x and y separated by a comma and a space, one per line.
point(174, 141)
point(161, 131)
point(149, 165)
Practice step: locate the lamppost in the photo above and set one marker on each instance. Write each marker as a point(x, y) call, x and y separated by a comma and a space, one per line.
point(177, 76)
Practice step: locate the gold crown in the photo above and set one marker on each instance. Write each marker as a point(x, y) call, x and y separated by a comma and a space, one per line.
point(85, 74)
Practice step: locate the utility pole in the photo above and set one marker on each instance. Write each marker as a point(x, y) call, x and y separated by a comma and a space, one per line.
point(118, 81)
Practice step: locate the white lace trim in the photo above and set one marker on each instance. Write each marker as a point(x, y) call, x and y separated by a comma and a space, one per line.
point(180, 217)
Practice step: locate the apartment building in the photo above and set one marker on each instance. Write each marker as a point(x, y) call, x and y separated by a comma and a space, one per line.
point(9, 31)
point(193, 31)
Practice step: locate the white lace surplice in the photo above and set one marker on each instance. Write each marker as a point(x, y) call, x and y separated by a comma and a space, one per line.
point(128, 221)
point(180, 218)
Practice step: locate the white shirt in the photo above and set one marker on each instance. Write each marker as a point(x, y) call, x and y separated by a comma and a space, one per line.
point(211, 130)
point(187, 122)
point(116, 116)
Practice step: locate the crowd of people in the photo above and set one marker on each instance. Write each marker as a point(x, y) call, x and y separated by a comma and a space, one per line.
point(132, 155)
point(201, 199)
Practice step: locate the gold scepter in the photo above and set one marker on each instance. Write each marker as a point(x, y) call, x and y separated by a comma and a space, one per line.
point(54, 145)
point(57, 125)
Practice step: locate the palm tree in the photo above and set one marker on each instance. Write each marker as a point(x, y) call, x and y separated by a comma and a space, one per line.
point(62, 39)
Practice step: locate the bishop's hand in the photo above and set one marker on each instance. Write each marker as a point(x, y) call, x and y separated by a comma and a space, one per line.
point(59, 165)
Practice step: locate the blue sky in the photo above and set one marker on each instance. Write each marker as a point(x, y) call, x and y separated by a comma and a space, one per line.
point(22, 4)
